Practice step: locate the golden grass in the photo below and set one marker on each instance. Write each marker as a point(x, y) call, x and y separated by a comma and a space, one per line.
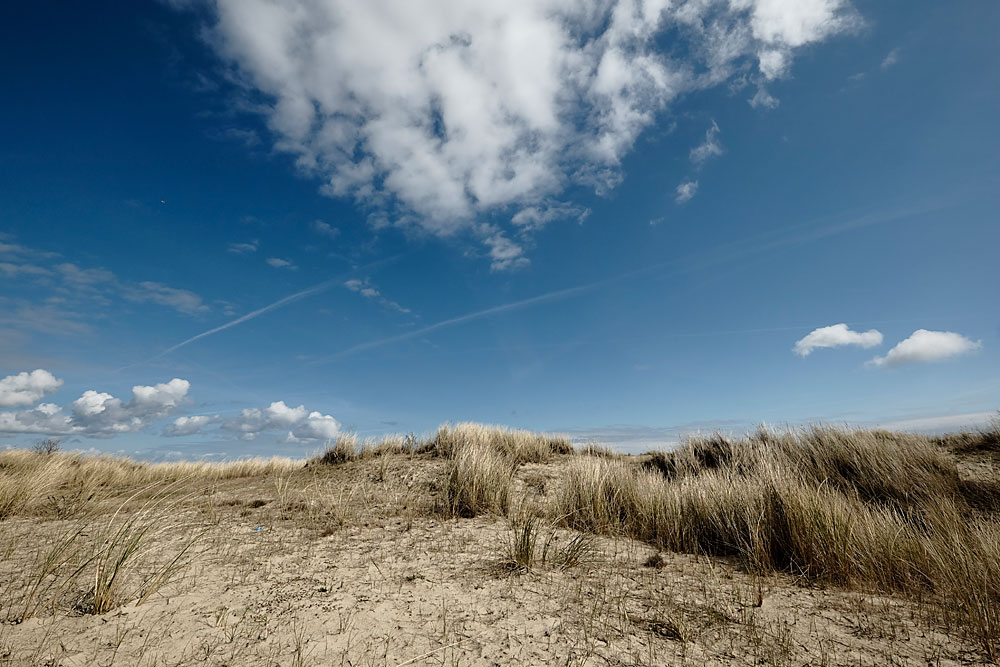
point(54, 483)
point(863, 509)
point(479, 481)
point(98, 563)
point(517, 445)
point(343, 450)
point(532, 541)
point(868, 508)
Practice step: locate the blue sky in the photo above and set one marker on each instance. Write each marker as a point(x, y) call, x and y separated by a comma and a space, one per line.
point(237, 228)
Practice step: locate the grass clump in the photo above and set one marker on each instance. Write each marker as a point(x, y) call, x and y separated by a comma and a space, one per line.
point(597, 449)
point(53, 483)
point(479, 480)
point(124, 556)
point(518, 445)
point(984, 441)
point(343, 450)
point(95, 567)
point(531, 542)
point(483, 460)
point(845, 507)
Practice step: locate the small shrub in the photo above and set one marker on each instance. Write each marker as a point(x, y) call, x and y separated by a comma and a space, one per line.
point(654, 561)
point(46, 447)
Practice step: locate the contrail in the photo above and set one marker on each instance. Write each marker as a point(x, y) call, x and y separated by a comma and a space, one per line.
point(549, 296)
point(320, 287)
point(503, 308)
point(249, 316)
point(795, 235)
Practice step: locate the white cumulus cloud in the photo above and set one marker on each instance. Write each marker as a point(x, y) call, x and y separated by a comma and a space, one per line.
point(27, 388)
point(100, 414)
point(189, 425)
point(297, 423)
point(433, 112)
point(836, 335)
point(244, 248)
point(926, 346)
point(46, 418)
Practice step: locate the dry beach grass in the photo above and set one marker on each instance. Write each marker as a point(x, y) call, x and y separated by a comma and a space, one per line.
point(482, 546)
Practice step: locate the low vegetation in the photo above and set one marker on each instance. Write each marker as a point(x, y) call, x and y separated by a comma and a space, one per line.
point(884, 511)
point(881, 513)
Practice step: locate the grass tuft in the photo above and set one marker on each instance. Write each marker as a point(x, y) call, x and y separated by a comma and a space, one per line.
point(479, 480)
point(858, 507)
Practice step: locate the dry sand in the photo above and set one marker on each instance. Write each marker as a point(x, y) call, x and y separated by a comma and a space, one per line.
point(351, 565)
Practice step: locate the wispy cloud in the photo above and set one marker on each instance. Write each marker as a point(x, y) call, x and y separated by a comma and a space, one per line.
point(17, 251)
point(44, 318)
point(96, 284)
point(890, 59)
point(249, 138)
point(927, 346)
point(940, 423)
point(244, 248)
point(709, 148)
point(369, 291)
point(182, 300)
point(324, 229)
point(686, 191)
point(284, 301)
point(279, 263)
point(189, 425)
point(536, 217)
point(505, 255)
point(16, 270)
point(763, 99)
point(74, 275)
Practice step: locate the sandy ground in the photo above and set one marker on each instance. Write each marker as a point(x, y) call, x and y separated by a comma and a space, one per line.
point(350, 565)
